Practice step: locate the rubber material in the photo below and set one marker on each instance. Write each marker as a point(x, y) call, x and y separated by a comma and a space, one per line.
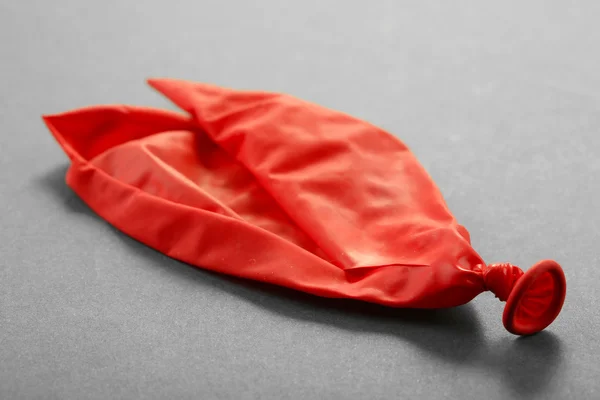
point(536, 299)
point(269, 187)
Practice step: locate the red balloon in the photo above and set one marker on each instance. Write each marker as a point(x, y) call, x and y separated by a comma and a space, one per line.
point(268, 187)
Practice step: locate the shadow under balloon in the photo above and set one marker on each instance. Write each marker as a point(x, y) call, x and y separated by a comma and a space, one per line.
point(529, 364)
point(526, 365)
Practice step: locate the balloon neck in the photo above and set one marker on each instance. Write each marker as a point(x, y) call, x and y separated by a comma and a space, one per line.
point(500, 279)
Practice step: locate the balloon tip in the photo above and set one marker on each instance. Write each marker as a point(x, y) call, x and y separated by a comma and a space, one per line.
point(49, 119)
point(158, 81)
point(154, 81)
point(536, 299)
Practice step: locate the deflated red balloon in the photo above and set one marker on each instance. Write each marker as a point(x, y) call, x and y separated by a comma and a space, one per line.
point(268, 187)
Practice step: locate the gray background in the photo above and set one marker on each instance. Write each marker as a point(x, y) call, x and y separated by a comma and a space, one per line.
point(500, 100)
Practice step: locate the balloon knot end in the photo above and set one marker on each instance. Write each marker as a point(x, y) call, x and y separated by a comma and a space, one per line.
point(500, 279)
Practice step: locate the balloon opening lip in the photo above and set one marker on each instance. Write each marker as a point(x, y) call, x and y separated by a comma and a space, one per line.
point(519, 324)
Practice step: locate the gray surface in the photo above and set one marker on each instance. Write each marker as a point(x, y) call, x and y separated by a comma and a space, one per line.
point(500, 101)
